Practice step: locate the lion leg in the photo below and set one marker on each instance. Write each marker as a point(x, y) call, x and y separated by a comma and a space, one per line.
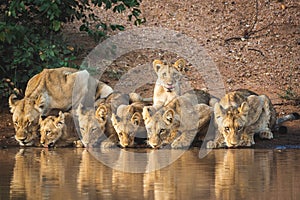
point(78, 144)
point(247, 140)
point(218, 142)
point(110, 142)
point(184, 140)
point(266, 134)
point(265, 129)
point(205, 113)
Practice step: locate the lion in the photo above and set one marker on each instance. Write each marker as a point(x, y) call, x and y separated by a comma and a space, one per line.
point(241, 114)
point(104, 108)
point(47, 93)
point(59, 131)
point(110, 106)
point(91, 129)
point(177, 123)
point(167, 86)
point(129, 124)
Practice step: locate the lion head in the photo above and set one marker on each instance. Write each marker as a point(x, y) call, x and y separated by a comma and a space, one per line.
point(231, 123)
point(168, 76)
point(128, 123)
point(162, 126)
point(90, 128)
point(52, 129)
point(26, 113)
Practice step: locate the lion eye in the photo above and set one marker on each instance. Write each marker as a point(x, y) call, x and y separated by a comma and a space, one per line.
point(121, 134)
point(162, 131)
point(227, 129)
point(164, 74)
point(118, 118)
point(16, 123)
point(48, 132)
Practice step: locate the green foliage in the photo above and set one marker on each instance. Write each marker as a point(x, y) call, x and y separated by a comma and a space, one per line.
point(31, 40)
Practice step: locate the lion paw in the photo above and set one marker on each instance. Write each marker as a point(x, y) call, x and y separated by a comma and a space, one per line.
point(108, 144)
point(246, 143)
point(178, 144)
point(266, 134)
point(210, 145)
point(78, 144)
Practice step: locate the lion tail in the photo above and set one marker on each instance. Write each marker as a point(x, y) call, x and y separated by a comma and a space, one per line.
point(281, 120)
point(289, 117)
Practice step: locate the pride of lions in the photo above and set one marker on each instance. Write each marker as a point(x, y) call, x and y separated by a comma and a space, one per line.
point(66, 107)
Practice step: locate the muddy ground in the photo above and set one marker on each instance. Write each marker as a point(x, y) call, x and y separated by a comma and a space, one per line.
point(254, 44)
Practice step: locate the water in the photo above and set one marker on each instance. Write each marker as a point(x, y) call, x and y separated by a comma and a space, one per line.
point(67, 173)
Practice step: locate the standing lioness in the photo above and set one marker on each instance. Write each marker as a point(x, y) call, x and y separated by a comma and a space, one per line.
point(48, 91)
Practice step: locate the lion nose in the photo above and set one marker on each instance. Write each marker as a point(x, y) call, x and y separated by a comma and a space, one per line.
point(170, 85)
point(23, 139)
point(155, 145)
point(51, 144)
point(234, 143)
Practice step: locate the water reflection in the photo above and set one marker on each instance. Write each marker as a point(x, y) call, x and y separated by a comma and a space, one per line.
point(223, 174)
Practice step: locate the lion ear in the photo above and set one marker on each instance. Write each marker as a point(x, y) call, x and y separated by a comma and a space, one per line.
point(60, 121)
point(41, 119)
point(101, 112)
point(169, 116)
point(148, 111)
point(157, 65)
point(114, 119)
point(41, 103)
point(244, 108)
point(79, 110)
point(12, 101)
point(218, 110)
point(180, 65)
point(136, 118)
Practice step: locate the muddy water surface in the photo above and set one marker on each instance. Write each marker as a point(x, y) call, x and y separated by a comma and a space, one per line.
point(35, 173)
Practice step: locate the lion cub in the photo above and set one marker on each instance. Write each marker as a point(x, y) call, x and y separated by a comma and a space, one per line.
point(110, 107)
point(167, 86)
point(241, 114)
point(59, 131)
point(91, 128)
point(177, 123)
point(129, 124)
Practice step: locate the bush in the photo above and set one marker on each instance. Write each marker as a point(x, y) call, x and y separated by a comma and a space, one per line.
point(31, 40)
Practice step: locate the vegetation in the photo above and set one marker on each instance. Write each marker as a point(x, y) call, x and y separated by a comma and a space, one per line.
point(31, 40)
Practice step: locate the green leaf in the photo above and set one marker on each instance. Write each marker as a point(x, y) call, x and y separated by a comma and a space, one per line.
point(119, 8)
point(44, 7)
point(42, 57)
point(83, 27)
point(117, 26)
point(120, 27)
point(56, 25)
point(136, 12)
